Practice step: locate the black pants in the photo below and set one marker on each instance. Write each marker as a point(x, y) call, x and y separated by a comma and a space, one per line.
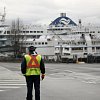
point(30, 80)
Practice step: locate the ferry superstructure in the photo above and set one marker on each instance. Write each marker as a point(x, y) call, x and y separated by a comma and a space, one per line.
point(68, 40)
point(25, 36)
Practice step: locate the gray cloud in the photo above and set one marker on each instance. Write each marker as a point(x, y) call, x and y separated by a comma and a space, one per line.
point(44, 11)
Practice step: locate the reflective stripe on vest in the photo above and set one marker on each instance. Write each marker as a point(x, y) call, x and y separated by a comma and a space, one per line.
point(33, 64)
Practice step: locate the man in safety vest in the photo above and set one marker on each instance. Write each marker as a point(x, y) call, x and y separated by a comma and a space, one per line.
point(32, 67)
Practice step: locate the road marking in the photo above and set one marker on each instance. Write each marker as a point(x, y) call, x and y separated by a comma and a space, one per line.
point(11, 80)
point(91, 82)
point(2, 90)
point(6, 84)
point(5, 87)
point(12, 84)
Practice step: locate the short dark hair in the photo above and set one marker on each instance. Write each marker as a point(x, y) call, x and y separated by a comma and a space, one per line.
point(31, 48)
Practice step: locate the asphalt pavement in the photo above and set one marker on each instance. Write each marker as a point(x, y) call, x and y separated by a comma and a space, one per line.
point(56, 86)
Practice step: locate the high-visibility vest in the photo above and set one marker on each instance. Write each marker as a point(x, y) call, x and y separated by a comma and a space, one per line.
point(33, 64)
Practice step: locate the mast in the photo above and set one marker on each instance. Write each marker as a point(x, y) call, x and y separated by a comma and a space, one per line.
point(3, 16)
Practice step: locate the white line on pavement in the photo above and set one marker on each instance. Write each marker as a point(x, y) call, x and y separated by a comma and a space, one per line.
point(2, 90)
point(11, 84)
point(12, 80)
point(13, 87)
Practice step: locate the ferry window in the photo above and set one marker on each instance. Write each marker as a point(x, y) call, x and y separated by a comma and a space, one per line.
point(77, 48)
point(98, 31)
point(78, 42)
point(41, 31)
point(8, 32)
point(1, 36)
point(93, 48)
point(34, 36)
point(38, 31)
point(85, 53)
point(27, 31)
point(46, 43)
point(93, 31)
point(85, 48)
point(74, 48)
point(39, 43)
point(80, 48)
point(42, 43)
point(81, 42)
point(23, 31)
point(0, 31)
point(66, 53)
point(97, 47)
point(66, 48)
point(31, 31)
point(38, 36)
point(34, 31)
point(35, 43)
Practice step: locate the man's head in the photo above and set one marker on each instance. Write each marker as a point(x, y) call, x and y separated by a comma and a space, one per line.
point(31, 49)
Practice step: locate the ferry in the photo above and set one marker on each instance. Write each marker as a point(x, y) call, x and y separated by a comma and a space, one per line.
point(67, 40)
point(61, 40)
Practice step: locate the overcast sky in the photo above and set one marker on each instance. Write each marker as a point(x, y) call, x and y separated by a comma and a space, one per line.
point(45, 11)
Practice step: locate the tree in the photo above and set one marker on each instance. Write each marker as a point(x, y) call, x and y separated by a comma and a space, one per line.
point(17, 37)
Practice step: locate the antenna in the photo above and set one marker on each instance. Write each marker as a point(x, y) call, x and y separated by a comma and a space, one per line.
point(80, 23)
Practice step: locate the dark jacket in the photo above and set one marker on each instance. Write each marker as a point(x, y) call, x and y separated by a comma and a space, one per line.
point(24, 65)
